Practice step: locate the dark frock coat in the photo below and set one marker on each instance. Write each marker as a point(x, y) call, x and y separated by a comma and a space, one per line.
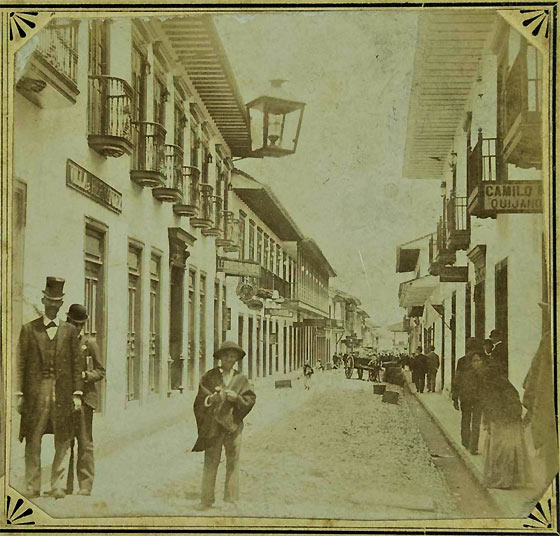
point(32, 342)
point(88, 346)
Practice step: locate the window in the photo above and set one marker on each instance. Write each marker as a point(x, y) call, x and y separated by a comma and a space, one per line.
point(226, 316)
point(176, 314)
point(205, 160)
point(179, 119)
point(155, 353)
point(194, 142)
point(266, 246)
point(94, 295)
point(534, 79)
point(259, 245)
point(514, 46)
point(98, 47)
point(160, 98)
point(191, 335)
point(133, 354)
point(272, 255)
point(251, 240)
point(278, 260)
point(216, 315)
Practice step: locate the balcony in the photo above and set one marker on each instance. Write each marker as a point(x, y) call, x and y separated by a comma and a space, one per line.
point(232, 233)
point(50, 77)
point(227, 221)
point(110, 116)
point(271, 282)
point(458, 223)
point(481, 171)
point(149, 157)
point(217, 226)
point(172, 190)
point(522, 116)
point(205, 216)
point(190, 201)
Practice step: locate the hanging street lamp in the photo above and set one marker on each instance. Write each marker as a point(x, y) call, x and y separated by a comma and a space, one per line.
point(275, 123)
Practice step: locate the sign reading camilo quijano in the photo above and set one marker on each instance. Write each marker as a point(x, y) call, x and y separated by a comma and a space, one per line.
point(238, 268)
point(514, 196)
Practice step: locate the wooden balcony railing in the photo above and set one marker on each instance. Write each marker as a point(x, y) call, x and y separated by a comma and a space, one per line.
point(205, 216)
point(110, 107)
point(458, 223)
point(225, 240)
point(172, 190)
point(58, 46)
point(270, 281)
point(232, 233)
point(149, 157)
point(191, 193)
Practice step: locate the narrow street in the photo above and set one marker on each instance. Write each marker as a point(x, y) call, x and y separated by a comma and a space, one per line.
point(335, 451)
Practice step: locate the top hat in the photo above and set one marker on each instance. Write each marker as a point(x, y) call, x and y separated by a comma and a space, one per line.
point(53, 288)
point(229, 345)
point(77, 313)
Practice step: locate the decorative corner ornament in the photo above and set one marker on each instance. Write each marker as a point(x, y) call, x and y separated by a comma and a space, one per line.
point(20, 23)
point(541, 516)
point(17, 514)
point(536, 20)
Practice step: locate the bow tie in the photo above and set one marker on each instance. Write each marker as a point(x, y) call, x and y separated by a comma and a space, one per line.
point(50, 325)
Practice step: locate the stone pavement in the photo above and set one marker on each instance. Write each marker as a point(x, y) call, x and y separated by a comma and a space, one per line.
point(517, 503)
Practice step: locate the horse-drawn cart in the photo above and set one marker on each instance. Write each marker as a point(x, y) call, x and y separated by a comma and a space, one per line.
point(362, 364)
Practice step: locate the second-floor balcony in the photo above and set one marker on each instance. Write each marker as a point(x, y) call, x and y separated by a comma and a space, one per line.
point(458, 223)
point(232, 234)
point(439, 254)
point(522, 110)
point(217, 225)
point(110, 130)
point(227, 239)
point(270, 281)
point(190, 203)
point(205, 216)
point(172, 190)
point(50, 76)
point(481, 171)
point(148, 168)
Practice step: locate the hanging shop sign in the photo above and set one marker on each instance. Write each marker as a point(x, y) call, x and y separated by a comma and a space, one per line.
point(512, 197)
point(454, 274)
point(238, 268)
point(88, 184)
point(284, 313)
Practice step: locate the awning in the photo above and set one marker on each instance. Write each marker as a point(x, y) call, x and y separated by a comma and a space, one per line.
point(407, 259)
point(449, 48)
point(417, 291)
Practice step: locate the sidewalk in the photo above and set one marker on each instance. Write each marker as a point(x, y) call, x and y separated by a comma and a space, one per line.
point(512, 503)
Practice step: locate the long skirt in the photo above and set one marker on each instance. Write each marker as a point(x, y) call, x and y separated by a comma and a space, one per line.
point(506, 463)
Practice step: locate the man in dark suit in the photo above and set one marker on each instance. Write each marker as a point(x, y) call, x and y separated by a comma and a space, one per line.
point(92, 372)
point(224, 398)
point(420, 368)
point(49, 388)
point(466, 389)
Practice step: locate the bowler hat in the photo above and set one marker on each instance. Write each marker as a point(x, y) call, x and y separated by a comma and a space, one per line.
point(77, 313)
point(229, 345)
point(53, 288)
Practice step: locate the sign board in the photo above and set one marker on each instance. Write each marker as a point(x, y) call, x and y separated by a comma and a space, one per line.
point(88, 184)
point(512, 197)
point(284, 313)
point(315, 322)
point(237, 267)
point(454, 274)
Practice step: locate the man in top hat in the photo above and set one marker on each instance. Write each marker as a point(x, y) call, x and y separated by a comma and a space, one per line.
point(224, 398)
point(49, 388)
point(92, 371)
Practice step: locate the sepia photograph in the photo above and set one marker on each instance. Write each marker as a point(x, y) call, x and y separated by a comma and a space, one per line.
point(282, 268)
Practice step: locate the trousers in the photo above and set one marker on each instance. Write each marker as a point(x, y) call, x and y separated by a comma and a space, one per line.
point(33, 446)
point(432, 380)
point(84, 462)
point(420, 381)
point(232, 445)
point(471, 415)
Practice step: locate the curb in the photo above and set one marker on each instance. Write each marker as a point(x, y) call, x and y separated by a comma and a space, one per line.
point(457, 448)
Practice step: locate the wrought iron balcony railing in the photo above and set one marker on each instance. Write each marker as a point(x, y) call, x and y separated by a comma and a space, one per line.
point(205, 216)
point(191, 193)
point(149, 156)
point(217, 226)
point(110, 107)
point(58, 46)
point(173, 188)
point(458, 223)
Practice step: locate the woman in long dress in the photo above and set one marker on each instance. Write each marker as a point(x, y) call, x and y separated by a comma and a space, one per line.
point(506, 463)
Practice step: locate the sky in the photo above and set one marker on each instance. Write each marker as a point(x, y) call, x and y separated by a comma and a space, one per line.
point(344, 185)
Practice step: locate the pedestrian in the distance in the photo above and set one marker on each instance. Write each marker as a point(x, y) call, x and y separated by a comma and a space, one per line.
point(92, 371)
point(307, 372)
point(224, 399)
point(467, 390)
point(420, 369)
point(432, 365)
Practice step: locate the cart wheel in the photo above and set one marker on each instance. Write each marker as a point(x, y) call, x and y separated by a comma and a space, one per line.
point(371, 376)
point(361, 373)
point(349, 367)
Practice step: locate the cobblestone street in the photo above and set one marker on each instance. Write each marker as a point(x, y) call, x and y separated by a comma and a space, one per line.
point(335, 451)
